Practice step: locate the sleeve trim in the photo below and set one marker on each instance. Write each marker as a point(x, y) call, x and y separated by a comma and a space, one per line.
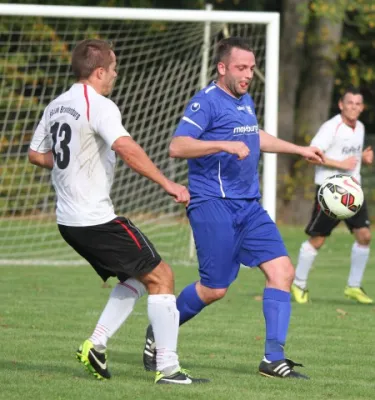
point(192, 122)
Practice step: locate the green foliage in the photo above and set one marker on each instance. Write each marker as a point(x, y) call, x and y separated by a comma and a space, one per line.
point(356, 66)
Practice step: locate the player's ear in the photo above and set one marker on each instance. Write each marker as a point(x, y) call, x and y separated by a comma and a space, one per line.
point(221, 68)
point(100, 73)
point(341, 106)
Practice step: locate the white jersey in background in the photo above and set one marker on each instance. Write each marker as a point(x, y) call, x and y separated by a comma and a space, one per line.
point(339, 141)
point(80, 127)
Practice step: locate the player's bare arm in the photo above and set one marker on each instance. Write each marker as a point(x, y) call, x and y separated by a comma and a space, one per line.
point(348, 164)
point(187, 147)
point(136, 158)
point(44, 160)
point(368, 155)
point(272, 144)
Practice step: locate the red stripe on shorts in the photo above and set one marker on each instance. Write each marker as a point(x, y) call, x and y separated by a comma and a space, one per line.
point(130, 233)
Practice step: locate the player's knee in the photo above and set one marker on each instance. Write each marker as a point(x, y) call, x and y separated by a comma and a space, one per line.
point(210, 295)
point(160, 280)
point(163, 274)
point(285, 275)
point(364, 237)
point(218, 294)
point(279, 273)
point(290, 274)
point(317, 241)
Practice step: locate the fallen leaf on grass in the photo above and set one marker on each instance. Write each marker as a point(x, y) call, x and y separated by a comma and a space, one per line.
point(341, 312)
point(258, 298)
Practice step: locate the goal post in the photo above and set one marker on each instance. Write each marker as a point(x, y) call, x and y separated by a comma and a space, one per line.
point(164, 57)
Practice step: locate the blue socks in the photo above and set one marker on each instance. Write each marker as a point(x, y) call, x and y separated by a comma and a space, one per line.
point(276, 311)
point(189, 304)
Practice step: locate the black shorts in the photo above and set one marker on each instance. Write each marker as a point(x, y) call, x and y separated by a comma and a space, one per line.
point(322, 225)
point(116, 248)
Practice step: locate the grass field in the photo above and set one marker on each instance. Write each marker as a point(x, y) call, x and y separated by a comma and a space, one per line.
point(45, 312)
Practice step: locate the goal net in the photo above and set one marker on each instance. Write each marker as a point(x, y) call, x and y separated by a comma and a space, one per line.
point(161, 64)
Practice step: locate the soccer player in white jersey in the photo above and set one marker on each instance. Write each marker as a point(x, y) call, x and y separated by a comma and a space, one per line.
point(77, 138)
point(341, 138)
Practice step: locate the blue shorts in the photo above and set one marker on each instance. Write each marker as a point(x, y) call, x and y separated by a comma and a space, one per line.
point(228, 233)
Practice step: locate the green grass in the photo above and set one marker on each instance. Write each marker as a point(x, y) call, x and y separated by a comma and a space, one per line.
point(46, 312)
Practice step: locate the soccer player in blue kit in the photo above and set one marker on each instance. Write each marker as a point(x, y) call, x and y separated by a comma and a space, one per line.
point(220, 137)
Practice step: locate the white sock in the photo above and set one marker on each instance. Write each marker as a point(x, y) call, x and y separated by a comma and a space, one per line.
point(306, 257)
point(165, 319)
point(119, 306)
point(359, 260)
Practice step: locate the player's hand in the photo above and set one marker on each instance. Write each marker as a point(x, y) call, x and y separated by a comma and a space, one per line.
point(368, 155)
point(179, 192)
point(349, 163)
point(313, 154)
point(238, 148)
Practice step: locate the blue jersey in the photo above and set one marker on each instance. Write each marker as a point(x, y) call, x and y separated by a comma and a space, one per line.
point(213, 114)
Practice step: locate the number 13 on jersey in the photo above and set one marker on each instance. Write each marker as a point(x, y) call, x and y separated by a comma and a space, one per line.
point(61, 136)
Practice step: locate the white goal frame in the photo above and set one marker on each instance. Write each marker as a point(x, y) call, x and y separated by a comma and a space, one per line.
point(270, 19)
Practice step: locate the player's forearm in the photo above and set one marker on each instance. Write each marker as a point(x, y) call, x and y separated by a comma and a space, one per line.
point(44, 160)
point(137, 159)
point(334, 164)
point(187, 147)
point(272, 144)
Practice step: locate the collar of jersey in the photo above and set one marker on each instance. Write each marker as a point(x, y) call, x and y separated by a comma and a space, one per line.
point(350, 127)
point(80, 84)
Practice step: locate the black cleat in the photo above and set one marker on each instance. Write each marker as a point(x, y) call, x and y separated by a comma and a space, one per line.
point(281, 369)
point(149, 352)
point(181, 377)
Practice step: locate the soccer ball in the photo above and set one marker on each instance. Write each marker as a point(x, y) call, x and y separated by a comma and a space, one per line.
point(340, 196)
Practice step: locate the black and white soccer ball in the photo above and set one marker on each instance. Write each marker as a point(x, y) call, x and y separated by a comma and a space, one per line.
point(340, 196)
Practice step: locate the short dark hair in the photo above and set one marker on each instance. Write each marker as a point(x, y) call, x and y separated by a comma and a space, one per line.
point(89, 55)
point(225, 47)
point(351, 90)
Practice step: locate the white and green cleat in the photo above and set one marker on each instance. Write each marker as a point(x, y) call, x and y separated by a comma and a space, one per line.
point(94, 360)
point(300, 295)
point(358, 294)
point(180, 377)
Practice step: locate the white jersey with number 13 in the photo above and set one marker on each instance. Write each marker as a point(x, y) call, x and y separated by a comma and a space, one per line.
point(80, 127)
